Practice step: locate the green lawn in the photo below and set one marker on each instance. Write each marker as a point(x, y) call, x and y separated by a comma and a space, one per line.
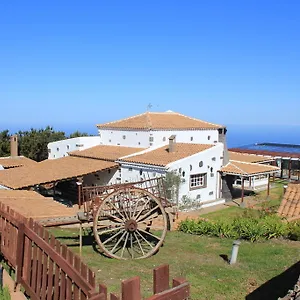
point(197, 258)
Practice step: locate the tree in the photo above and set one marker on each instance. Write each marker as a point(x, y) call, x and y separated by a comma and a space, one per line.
point(78, 134)
point(33, 143)
point(4, 143)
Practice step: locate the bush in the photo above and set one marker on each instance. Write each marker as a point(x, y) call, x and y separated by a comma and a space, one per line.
point(252, 226)
point(294, 231)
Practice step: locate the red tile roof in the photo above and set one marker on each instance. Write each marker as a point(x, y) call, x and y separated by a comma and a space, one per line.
point(16, 161)
point(159, 121)
point(104, 152)
point(51, 170)
point(162, 156)
point(246, 169)
point(290, 204)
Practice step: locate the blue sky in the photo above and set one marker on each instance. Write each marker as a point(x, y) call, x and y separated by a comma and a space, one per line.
point(87, 62)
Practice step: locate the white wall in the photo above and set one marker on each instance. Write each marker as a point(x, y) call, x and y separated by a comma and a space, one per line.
point(143, 138)
point(61, 148)
point(256, 182)
point(131, 172)
point(190, 166)
point(102, 178)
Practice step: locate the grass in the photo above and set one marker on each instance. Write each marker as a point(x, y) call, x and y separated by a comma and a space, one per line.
point(197, 258)
point(5, 294)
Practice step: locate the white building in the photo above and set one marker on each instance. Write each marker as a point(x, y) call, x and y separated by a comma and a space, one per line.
point(152, 144)
point(61, 148)
point(154, 128)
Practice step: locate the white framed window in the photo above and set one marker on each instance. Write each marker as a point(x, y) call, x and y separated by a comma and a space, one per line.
point(57, 149)
point(198, 181)
point(124, 137)
point(130, 169)
point(208, 137)
point(68, 147)
point(200, 163)
point(164, 139)
point(192, 138)
point(151, 139)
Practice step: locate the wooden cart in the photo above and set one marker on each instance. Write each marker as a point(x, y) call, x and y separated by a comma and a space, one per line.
point(130, 220)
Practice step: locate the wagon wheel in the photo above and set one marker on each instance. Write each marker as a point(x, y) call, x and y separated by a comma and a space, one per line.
point(123, 221)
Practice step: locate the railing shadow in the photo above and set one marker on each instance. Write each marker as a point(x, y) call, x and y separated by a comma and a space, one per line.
point(277, 286)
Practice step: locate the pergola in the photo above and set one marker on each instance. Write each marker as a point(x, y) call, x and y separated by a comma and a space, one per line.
point(244, 169)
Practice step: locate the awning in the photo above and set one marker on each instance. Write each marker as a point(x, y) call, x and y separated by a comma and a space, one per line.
point(52, 170)
point(247, 169)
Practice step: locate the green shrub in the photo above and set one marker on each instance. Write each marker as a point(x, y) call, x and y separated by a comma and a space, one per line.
point(294, 231)
point(252, 226)
point(5, 294)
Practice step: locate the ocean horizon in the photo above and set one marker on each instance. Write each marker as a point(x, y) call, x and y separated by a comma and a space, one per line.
point(237, 135)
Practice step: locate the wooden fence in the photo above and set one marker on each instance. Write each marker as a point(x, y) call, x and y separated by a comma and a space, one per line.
point(48, 270)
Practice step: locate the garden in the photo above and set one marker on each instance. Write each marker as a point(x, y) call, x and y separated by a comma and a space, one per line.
point(200, 249)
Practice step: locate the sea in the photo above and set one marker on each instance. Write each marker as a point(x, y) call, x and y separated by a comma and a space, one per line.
point(237, 135)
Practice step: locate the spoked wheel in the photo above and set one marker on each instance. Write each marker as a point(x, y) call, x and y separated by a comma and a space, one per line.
point(130, 224)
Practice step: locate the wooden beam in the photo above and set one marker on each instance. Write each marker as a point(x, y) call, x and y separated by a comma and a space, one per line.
point(243, 188)
point(290, 168)
point(268, 191)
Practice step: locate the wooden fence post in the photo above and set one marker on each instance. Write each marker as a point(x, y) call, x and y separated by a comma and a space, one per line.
point(131, 289)
point(20, 253)
point(161, 279)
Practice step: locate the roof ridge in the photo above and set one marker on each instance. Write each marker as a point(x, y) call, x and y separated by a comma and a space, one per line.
point(243, 171)
point(148, 119)
point(195, 119)
point(124, 119)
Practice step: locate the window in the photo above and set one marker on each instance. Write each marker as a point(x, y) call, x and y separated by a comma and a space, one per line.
point(57, 149)
point(130, 169)
point(180, 170)
point(79, 145)
point(198, 196)
point(141, 172)
point(154, 174)
point(211, 193)
point(198, 181)
point(124, 137)
point(201, 164)
point(164, 139)
point(150, 144)
point(109, 141)
point(183, 174)
point(213, 159)
point(191, 167)
point(68, 147)
point(151, 139)
point(208, 137)
point(49, 150)
point(192, 138)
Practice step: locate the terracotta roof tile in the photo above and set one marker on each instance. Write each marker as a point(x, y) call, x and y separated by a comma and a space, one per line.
point(104, 152)
point(33, 205)
point(246, 169)
point(252, 158)
point(290, 204)
point(52, 170)
point(16, 161)
point(159, 121)
point(162, 157)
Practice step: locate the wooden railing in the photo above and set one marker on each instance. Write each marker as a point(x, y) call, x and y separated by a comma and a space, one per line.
point(48, 270)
